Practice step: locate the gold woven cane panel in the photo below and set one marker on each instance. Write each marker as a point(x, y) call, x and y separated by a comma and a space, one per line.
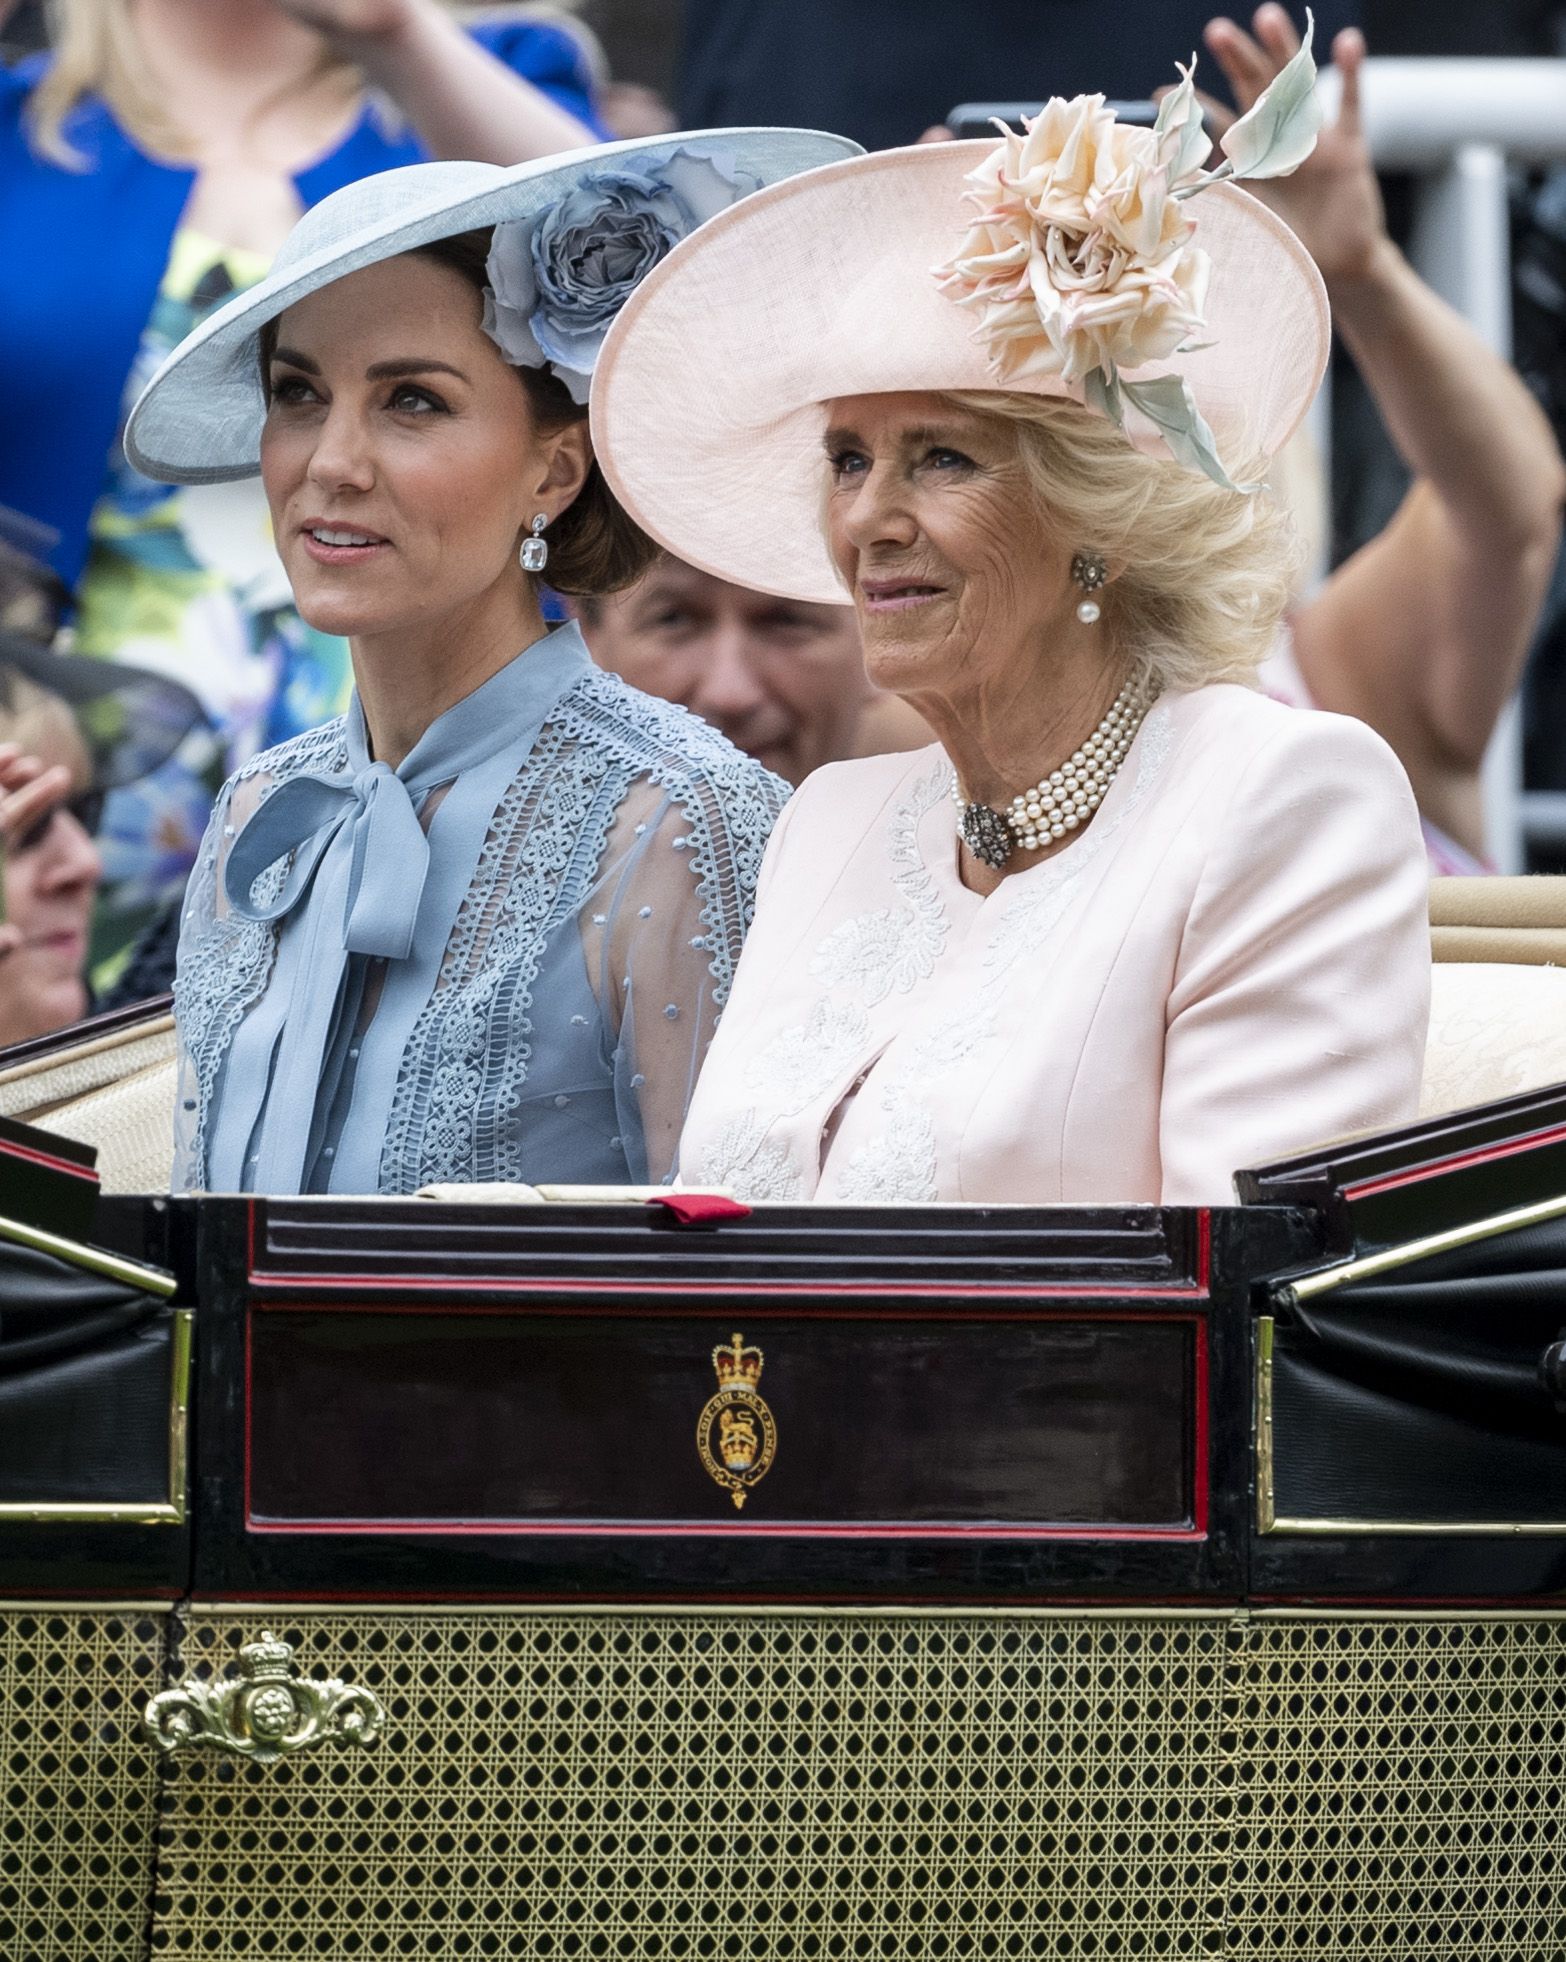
point(681, 1785)
point(78, 1790)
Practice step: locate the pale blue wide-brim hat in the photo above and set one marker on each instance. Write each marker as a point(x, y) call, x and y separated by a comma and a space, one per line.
point(199, 419)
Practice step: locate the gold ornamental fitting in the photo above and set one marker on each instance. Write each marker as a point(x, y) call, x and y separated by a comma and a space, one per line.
point(267, 1711)
point(735, 1434)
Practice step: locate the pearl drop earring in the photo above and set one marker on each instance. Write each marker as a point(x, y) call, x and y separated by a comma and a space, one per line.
point(1090, 572)
point(535, 550)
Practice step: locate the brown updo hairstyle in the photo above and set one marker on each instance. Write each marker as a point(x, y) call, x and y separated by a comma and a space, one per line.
point(594, 547)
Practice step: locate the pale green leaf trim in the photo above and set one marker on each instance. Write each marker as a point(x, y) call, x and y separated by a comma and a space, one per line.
point(1101, 394)
point(1279, 131)
point(1169, 405)
point(1182, 144)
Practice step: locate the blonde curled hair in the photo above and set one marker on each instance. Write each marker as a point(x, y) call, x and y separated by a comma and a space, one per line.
point(1203, 575)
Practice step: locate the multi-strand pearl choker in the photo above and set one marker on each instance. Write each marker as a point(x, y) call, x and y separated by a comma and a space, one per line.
point(1065, 799)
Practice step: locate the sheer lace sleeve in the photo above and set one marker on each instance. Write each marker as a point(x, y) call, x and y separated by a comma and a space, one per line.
point(220, 969)
point(663, 938)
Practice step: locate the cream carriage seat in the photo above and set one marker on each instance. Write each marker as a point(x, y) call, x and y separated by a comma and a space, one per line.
point(1497, 1027)
point(108, 1083)
point(1498, 990)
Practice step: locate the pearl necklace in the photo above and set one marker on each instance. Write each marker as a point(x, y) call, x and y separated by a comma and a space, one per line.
point(1063, 801)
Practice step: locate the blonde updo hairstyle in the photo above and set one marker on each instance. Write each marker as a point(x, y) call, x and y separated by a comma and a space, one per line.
point(1201, 575)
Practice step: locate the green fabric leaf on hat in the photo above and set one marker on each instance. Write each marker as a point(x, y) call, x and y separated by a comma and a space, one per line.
point(1169, 405)
point(1101, 394)
point(1182, 144)
point(1279, 131)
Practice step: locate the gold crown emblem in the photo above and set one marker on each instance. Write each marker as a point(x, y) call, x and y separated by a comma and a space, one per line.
point(267, 1659)
point(738, 1443)
point(738, 1368)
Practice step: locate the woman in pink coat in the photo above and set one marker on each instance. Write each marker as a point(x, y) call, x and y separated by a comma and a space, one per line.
point(1128, 926)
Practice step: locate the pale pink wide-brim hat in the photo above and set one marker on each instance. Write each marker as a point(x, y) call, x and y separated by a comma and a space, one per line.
point(709, 399)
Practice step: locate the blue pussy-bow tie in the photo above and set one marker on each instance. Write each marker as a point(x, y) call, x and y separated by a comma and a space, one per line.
point(390, 855)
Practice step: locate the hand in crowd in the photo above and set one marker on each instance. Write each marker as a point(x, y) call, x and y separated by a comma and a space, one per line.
point(29, 790)
point(349, 20)
point(1332, 202)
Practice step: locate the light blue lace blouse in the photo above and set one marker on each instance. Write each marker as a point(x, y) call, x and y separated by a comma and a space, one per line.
point(504, 960)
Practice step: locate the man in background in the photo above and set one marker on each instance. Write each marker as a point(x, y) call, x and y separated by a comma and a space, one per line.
point(783, 679)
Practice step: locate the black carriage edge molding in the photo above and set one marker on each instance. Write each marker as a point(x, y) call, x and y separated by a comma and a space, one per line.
point(945, 1404)
point(47, 1183)
point(1442, 1176)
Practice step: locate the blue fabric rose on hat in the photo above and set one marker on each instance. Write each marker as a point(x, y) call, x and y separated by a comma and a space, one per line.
point(557, 279)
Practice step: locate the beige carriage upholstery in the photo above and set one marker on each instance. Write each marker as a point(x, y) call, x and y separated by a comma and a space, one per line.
point(1498, 990)
point(113, 1089)
point(1497, 1027)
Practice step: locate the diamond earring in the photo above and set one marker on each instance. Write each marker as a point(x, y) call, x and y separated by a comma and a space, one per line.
point(535, 550)
point(1090, 572)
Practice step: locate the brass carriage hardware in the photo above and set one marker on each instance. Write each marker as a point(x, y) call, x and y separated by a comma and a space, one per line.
point(268, 1711)
point(1331, 1527)
point(130, 1273)
point(1325, 1280)
point(735, 1435)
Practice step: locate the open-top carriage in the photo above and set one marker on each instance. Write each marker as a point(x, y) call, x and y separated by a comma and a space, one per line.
point(587, 1578)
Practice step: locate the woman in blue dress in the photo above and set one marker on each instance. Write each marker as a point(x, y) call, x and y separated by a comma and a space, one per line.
point(153, 159)
point(481, 927)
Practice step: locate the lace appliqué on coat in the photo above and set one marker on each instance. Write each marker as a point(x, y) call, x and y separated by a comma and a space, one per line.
point(888, 951)
point(897, 1166)
point(867, 957)
point(900, 1163)
point(742, 1158)
point(798, 1064)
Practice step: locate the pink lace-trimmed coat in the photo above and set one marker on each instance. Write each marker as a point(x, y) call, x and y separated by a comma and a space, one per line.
point(1232, 962)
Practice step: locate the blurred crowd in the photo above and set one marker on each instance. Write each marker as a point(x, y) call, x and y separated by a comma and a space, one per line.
point(154, 153)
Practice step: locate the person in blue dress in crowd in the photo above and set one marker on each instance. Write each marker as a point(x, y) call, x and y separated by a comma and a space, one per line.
point(153, 161)
point(481, 927)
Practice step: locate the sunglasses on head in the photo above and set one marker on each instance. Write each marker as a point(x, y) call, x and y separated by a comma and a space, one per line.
point(86, 807)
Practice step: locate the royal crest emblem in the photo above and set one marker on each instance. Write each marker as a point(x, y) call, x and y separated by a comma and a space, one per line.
point(735, 1434)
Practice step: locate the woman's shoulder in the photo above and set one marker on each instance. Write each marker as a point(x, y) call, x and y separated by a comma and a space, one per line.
point(1285, 782)
point(841, 808)
point(861, 786)
point(90, 128)
point(321, 748)
point(542, 45)
point(1246, 726)
point(665, 743)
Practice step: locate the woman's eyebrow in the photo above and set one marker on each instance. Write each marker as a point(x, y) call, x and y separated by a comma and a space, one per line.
point(413, 364)
point(919, 436)
point(931, 435)
point(416, 364)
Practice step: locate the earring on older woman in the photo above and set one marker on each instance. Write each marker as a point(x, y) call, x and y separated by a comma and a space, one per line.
point(1090, 572)
point(535, 550)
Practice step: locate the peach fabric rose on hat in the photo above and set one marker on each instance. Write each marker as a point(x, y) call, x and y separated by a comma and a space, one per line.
point(1081, 260)
point(1079, 256)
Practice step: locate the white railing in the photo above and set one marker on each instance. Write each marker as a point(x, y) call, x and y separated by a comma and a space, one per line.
point(1456, 124)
